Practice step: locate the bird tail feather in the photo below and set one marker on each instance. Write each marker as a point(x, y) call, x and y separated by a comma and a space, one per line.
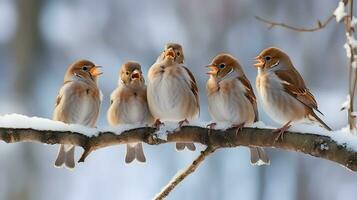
point(182, 146)
point(322, 123)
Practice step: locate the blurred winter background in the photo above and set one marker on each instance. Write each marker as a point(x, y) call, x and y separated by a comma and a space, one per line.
point(39, 39)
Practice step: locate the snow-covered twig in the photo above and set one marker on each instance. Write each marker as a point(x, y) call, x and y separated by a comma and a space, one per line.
point(340, 12)
point(350, 46)
point(307, 143)
point(181, 175)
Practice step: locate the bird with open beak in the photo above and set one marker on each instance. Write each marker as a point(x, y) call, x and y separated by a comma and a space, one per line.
point(128, 105)
point(78, 102)
point(283, 92)
point(179, 58)
point(231, 99)
point(172, 90)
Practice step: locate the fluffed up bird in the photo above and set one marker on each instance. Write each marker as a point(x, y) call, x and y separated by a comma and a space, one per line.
point(78, 102)
point(283, 92)
point(172, 90)
point(231, 99)
point(129, 105)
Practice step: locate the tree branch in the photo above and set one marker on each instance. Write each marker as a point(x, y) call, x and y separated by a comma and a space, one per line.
point(308, 143)
point(320, 25)
point(182, 175)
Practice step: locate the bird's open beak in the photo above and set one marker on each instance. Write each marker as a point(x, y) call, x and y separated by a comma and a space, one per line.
point(95, 71)
point(170, 52)
point(214, 70)
point(136, 74)
point(260, 61)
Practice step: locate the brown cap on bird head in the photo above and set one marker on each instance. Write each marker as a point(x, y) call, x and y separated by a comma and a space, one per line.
point(271, 57)
point(222, 64)
point(85, 69)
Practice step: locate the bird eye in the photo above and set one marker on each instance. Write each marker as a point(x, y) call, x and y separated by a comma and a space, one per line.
point(267, 58)
point(85, 68)
point(222, 65)
point(178, 53)
point(127, 73)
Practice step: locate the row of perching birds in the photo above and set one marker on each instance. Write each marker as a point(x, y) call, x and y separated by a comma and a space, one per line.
point(172, 95)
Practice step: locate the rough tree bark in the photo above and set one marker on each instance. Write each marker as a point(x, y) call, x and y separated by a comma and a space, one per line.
point(307, 143)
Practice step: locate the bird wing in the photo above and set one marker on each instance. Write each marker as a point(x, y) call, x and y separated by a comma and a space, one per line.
point(193, 85)
point(60, 94)
point(294, 85)
point(69, 101)
point(250, 94)
point(113, 114)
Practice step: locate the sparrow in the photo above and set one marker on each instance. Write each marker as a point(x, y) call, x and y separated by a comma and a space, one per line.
point(285, 97)
point(128, 105)
point(172, 90)
point(231, 99)
point(78, 102)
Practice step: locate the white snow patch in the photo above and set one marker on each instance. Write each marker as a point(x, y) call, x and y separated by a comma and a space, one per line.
point(343, 136)
point(352, 41)
point(261, 163)
point(354, 64)
point(346, 104)
point(25, 122)
point(170, 127)
point(162, 135)
point(165, 129)
point(354, 21)
point(348, 50)
point(324, 147)
point(340, 12)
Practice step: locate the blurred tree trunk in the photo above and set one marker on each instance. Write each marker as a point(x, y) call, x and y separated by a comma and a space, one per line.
point(27, 48)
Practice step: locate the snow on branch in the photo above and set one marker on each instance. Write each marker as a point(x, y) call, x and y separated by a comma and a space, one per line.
point(338, 149)
point(338, 146)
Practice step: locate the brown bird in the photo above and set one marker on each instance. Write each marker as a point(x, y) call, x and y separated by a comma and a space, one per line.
point(78, 102)
point(231, 98)
point(129, 105)
point(172, 90)
point(283, 91)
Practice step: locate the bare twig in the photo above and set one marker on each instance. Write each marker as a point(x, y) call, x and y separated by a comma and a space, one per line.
point(320, 25)
point(183, 174)
point(307, 143)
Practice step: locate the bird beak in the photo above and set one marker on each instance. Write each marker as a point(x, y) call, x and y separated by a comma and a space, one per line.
point(95, 71)
point(170, 52)
point(260, 62)
point(214, 70)
point(136, 74)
